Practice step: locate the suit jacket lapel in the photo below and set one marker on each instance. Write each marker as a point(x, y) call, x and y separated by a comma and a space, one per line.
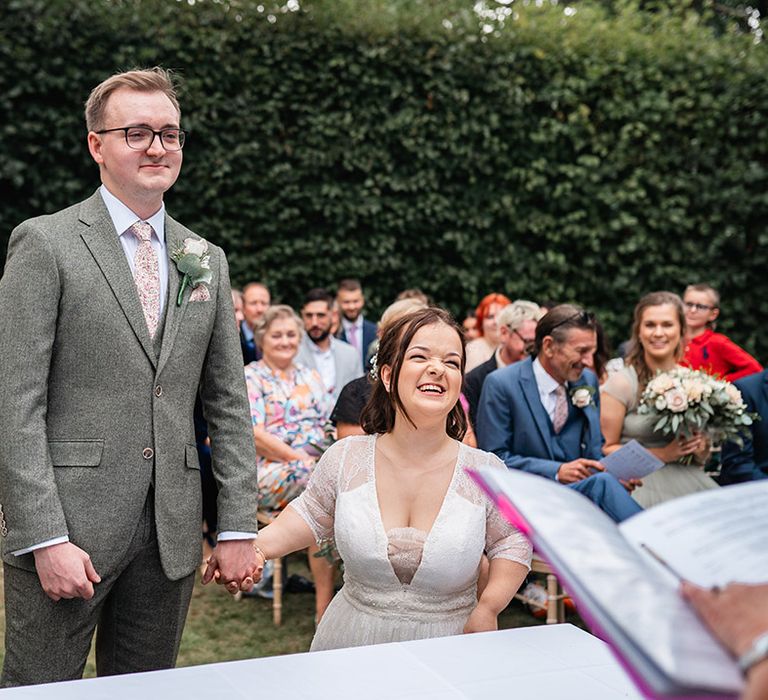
point(99, 235)
point(174, 315)
point(531, 394)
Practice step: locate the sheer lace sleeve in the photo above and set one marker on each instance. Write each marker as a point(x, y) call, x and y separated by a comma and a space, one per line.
point(502, 539)
point(317, 504)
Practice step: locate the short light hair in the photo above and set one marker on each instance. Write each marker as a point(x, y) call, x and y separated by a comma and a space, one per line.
point(707, 290)
point(144, 80)
point(349, 284)
point(272, 314)
point(251, 285)
point(396, 310)
point(518, 312)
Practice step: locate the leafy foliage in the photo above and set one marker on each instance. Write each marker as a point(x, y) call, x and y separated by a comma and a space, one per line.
point(592, 156)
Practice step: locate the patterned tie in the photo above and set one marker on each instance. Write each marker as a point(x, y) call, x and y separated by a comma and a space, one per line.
point(146, 274)
point(561, 409)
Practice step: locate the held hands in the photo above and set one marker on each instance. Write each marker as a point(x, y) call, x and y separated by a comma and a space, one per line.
point(482, 619)
point(236, 564)
point(577, 470)
point(65, 571)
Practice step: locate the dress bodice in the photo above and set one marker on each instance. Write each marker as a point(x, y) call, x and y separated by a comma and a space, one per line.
point(406, 570)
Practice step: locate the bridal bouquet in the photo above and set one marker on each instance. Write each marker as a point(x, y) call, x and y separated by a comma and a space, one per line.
point(687, 401)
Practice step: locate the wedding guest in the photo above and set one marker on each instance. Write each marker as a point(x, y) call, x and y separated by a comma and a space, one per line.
point(404, 484)
point(531, 416)
point(482, 348)
point(469, 324)
point(656, 345)
point(738, 616)
point(353, 397)
point(289, 410)
point(413, 293)
point(598, 363)
point(516, 324)
point(355, 329)
point(713, 352)
point(748, 461)
point(237, 302)
point(256, 300)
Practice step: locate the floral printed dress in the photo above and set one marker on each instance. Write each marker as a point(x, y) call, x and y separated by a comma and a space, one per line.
point(293, 406)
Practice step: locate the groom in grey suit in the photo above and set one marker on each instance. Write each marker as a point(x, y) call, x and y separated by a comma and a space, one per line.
point(104, 346)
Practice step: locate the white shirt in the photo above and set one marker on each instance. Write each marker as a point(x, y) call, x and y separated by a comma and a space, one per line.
point(326, 365)
point(357, 323)
point(547, 386)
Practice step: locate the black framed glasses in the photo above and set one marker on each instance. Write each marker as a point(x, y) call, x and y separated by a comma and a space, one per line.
point(693, 306)
point(140, 138)
point(529, 344)
point(581, 319)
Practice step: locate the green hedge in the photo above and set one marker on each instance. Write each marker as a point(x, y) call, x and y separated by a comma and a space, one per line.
point(586, 157)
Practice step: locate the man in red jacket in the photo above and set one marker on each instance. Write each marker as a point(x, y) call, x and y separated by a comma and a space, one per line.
point(712, 352)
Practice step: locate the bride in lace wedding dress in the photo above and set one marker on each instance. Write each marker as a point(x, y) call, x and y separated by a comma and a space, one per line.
point(408, 522)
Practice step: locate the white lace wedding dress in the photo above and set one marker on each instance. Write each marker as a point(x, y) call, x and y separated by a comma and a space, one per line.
point(403, 584)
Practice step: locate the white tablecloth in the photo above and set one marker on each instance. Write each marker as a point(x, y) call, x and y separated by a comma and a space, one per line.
point(542, 663)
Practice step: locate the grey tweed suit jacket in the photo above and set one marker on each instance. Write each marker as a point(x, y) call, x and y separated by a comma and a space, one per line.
point(91, 416)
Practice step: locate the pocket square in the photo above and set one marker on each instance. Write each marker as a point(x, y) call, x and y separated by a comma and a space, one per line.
point(200, 293)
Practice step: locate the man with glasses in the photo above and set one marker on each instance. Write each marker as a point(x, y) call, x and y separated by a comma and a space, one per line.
point(106, 346)
point(532, 417)
point(517, 335)
point(712, 352)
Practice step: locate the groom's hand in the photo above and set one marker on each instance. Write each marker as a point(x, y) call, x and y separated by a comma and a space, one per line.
point(65, 571)
point(578, 469)
point(235, 564)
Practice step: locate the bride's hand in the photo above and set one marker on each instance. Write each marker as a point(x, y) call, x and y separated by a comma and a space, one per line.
point(482, 619)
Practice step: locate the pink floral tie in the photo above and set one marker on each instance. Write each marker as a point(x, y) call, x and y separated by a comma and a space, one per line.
point(561, 409)
point(146, 274)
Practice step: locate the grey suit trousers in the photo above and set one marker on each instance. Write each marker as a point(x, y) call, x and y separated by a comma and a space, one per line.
point(139, 612)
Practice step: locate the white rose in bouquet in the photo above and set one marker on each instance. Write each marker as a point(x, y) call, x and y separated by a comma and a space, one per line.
point(676, 400)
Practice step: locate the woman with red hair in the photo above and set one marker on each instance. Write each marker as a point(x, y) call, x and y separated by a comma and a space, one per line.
point(481, 349)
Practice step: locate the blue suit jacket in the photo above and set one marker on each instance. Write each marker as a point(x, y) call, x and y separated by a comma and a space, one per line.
point(751, 461)
point(513, 424)
point(369, 335)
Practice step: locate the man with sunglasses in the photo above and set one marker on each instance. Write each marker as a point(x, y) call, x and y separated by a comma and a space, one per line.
point(517, 336)
point(542, 415)
point(105, 346)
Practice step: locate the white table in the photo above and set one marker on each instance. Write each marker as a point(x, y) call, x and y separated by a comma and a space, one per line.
point(546, 662)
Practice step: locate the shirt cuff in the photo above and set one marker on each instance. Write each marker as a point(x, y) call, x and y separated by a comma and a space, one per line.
point(236, 535)
point(47, 543)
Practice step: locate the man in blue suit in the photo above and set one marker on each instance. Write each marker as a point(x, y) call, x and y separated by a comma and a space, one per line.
point(749, 462)
point(542, 415)
point(354, 329)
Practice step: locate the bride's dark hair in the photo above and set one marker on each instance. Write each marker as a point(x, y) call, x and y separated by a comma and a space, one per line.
point(379, 413)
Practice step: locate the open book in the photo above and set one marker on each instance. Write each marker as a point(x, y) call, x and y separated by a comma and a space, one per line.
point(625, 578)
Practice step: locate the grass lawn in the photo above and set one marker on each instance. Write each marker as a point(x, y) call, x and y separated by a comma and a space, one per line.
point(220, 628)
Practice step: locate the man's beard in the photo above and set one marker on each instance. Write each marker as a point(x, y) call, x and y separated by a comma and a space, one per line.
point(319, 338)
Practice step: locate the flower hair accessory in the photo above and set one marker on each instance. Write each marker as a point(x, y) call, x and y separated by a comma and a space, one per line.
point(194, 262)
point(581, 396)
point(373, 373)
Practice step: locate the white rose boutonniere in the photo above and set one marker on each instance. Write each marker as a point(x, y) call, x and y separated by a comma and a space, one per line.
point(194, 263)
point(581, 396)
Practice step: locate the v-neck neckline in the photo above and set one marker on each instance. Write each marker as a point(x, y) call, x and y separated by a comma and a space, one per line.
point(428, 534)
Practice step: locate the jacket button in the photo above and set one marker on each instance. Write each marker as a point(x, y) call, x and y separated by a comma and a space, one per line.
point(158, 390)
point(148, 453)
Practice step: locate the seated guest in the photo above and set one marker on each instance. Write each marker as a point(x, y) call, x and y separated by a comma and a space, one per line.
point(516, 323)
point(469, 324)
point(353, 397)
point(527, 417)
point(598, 363)
point(482, 348)
point(336, 361)
point(656, 345)
point(256, 300)
point(749, 461)
point(713, 352)
point(289, 410)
